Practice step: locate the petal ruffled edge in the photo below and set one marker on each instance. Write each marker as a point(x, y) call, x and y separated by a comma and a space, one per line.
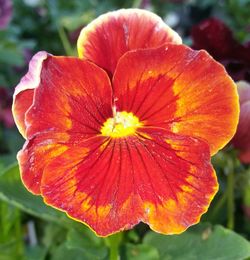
point(128, 184)
point(24, 91)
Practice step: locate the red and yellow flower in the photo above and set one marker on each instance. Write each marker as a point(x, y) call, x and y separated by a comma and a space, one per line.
point(125, 133)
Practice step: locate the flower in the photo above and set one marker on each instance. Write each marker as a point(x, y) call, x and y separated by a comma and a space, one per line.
point(241, 140)
point(216, 38)
point(124, 133)
point(5, 13)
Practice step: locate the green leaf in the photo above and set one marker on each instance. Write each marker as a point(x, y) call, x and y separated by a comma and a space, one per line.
point(53, 235)
point(201, 242)
point(62, 252)
point(36, 253)
point(9, 250)
point(139, 252)
point(91, 246)
point(13, 192)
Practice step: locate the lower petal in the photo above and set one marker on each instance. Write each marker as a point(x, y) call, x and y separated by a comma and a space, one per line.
point(162, 179)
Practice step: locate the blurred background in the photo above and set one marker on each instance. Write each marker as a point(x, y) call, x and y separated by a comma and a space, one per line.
point(31, 230)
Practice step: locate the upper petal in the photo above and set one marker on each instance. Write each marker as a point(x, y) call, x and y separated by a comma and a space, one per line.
point(109, 36)
point(156, 177)
point(24, 91)
point(178, 89)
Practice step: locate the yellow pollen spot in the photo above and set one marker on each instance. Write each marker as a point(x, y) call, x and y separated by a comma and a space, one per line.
point(120, 125)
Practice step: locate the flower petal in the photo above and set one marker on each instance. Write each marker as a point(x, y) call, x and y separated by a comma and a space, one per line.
point(243, 88)
point(178, 89)
point(23, 95)
point(244, 156)
point(156, 177)
point(36, 154)
point(74, 96)
point(241, 140)
point(70, 105)
point(215, 37)
point(109, 36)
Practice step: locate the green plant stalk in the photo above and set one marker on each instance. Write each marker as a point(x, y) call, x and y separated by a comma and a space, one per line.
point(3, 212)
point(65, 42)
point(219, 205)
point(113, 242)
point(114, 253)
point(18, 231)
point(137, 3)
point(230, 200)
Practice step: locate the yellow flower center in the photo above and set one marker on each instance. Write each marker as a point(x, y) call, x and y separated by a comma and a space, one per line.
point(122, 124)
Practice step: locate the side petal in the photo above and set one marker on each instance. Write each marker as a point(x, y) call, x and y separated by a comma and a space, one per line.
point(74, 96)
point(109, 36)
point(183, 180)
point(162, 179)
point(179, 89)
point(70, 105)
point(24, 91)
